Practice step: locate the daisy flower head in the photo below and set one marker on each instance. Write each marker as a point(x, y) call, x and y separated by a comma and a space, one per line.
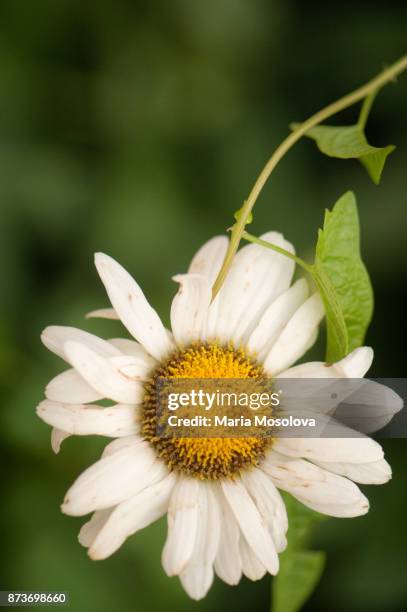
point(221, 495)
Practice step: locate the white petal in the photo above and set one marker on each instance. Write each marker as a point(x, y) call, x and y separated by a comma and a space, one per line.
point(128, 300)
point(358, 507)
point(251, 566)
point(134, 368)
point(375, 472)
point(321, 399)
point(311, 369)
point(269, 504)
point(103, 375)
point(276, 317)
point(212, 317)
point(296, 336)
point(120, 443)
point(103, 313)
point(314, 487)
point(57, 437)
point(113, 479)
point(370, 406)
point(89, 419)
point(69, 387)
point(56, 336)
point(354, 365)
point(357, 363)
point(251, 524)
point(228, 565)
point(89, 530)
point(198, 574)
point(312, 338)
point(208, 260)
point(256, 278)
point(131, 516)
point(134, 349)
point(183, 516)
point(340, 450)
point(189, 308)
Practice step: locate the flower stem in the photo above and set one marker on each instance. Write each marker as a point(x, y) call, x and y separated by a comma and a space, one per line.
point(366, 107)
point(355, 96)
point(274, 247)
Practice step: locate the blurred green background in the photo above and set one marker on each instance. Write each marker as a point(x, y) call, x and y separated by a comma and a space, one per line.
point(137, 128)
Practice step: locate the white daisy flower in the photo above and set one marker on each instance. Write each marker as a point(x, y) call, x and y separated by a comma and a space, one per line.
point(221, 495)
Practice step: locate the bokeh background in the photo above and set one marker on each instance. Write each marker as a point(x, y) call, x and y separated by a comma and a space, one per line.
point(137, 128)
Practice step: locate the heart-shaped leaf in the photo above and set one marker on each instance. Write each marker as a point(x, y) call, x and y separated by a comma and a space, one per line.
point(349, 141)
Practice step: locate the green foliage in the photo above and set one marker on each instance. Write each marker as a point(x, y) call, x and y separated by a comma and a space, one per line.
point(350, 142)
point(343, 279)
point(300, 569)
point(345, 288)
point(340, 276)
point(374, 161)
point(337, 333)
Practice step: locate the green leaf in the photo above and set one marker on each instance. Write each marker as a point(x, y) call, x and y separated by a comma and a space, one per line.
point(300, 519)
point(337, 332)
point(299, 574)
point(343, 279)
point(374, 162)
point(347, 142)
point(300, 570)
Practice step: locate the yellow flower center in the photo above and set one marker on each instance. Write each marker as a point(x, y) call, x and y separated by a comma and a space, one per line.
point(204, 458)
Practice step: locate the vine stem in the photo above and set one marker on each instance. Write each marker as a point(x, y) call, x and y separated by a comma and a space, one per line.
point(268, 245)
point(355, 96)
